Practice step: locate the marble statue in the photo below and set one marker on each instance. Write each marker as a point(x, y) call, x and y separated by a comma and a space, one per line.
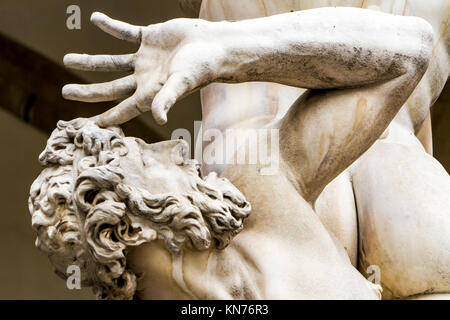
point(347, 85)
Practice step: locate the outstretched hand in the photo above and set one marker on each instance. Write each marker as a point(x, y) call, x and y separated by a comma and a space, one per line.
point(174, 59)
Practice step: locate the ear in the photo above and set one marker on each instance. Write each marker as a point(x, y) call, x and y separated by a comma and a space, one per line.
point(176, 150)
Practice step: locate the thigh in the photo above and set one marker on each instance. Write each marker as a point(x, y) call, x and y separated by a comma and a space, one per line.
point(403, 204)
point(336, 210)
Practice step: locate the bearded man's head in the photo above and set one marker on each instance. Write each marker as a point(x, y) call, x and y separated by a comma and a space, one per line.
point(101, 192)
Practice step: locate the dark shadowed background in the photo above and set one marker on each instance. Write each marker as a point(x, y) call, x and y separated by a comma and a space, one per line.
point(33, 41)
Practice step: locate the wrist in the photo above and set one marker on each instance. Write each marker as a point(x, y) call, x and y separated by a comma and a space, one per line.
point(220, 54)
point(239, 51)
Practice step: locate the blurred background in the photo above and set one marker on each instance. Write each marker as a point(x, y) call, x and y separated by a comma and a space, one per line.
point(33, 40)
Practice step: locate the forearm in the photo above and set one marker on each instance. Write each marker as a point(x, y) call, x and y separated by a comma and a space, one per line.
point(316, 49)
point(320, 48)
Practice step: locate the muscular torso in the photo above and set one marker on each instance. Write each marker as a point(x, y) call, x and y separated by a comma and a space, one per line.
point(284, 252)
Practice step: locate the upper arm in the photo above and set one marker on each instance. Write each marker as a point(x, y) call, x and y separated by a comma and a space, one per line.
point(327, 130)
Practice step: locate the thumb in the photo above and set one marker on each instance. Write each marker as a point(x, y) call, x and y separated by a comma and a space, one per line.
point(175, 87)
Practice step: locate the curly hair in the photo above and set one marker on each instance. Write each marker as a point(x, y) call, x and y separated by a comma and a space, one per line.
point(84, 214)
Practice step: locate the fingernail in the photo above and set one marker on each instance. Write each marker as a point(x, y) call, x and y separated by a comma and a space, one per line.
point(66, 59)
point(97, 16)
point(162, 119)
point(65, 90)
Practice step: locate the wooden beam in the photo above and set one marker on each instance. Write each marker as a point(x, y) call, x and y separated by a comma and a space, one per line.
point(30, 88)
point(191, 8)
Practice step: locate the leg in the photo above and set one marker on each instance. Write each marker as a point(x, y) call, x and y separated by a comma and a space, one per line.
point(403, 203)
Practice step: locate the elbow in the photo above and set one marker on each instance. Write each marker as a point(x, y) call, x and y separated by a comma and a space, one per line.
point(427, 39)
point(421, 50)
